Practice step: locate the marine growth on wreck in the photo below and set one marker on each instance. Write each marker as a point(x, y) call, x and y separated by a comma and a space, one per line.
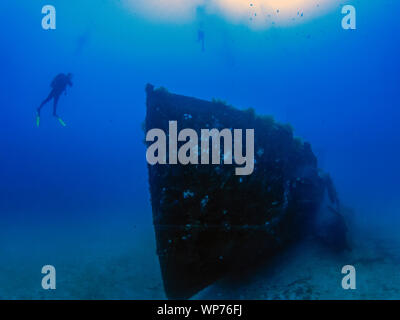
point(208, 220)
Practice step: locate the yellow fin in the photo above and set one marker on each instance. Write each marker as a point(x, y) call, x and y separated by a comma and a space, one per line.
point(62, 122)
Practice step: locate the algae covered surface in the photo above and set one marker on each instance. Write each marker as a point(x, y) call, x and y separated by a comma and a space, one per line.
point(209, 221)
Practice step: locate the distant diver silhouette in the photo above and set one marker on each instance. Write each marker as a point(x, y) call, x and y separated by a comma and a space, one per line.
point(201, 38)
point(82, 42)
point(332, 193)
point(201, 16)
point(58, 85)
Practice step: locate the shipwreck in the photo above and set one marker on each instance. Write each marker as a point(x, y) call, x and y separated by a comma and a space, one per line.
point(209, 221)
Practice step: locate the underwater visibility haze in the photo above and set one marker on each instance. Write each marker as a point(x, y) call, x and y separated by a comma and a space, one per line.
point(77, 197)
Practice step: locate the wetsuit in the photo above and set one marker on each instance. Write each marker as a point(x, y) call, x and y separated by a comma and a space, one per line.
point(59, 85)
point(200, 38)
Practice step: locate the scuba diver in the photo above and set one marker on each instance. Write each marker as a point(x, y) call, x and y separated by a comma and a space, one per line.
point(331, 190)
point(58, 85)
point(200, 38)
point(201, 16)
point(335, 231)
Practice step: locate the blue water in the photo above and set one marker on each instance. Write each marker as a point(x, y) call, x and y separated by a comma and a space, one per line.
point(77, 197)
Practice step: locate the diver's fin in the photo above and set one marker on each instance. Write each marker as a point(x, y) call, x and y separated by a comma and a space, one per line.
point(62, 122)
point(37, 120)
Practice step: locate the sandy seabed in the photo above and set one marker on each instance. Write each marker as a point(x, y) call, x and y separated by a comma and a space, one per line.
point(121, 263)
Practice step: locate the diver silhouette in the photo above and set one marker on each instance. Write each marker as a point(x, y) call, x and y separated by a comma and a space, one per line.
point(201, 38)
point(331, 190)
point(58, 85)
